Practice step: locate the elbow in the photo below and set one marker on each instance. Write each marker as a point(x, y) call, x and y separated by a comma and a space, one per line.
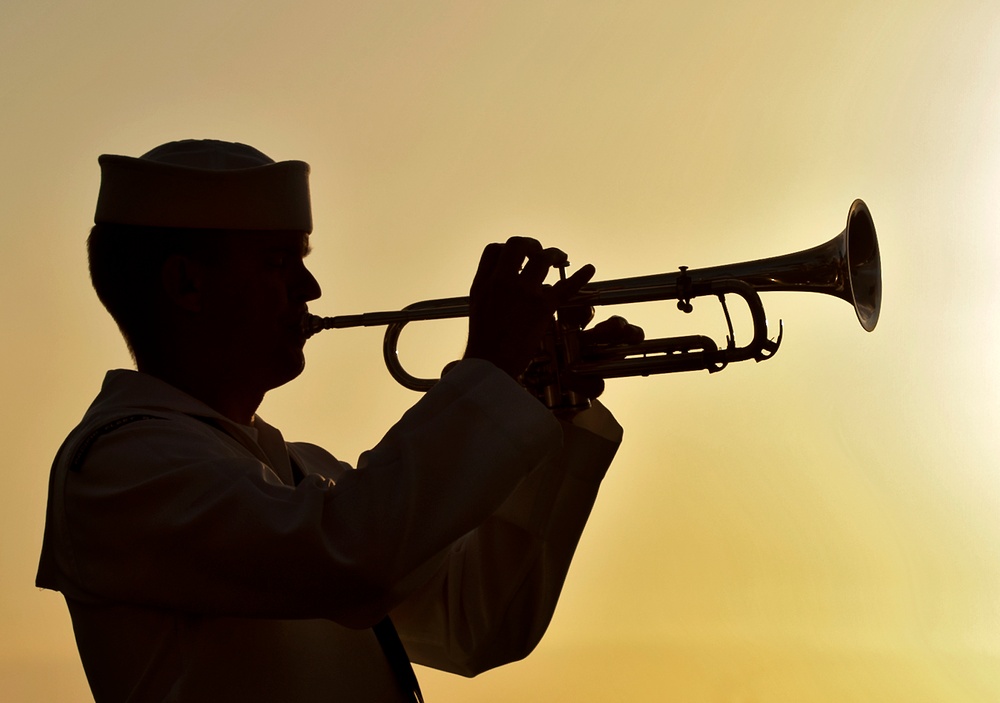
point(469, 659)
point(492, 657)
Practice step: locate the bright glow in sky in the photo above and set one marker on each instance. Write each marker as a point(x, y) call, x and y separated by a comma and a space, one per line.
point(822, 527)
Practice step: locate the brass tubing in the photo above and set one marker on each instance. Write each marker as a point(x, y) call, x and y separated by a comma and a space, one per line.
point(847, 267)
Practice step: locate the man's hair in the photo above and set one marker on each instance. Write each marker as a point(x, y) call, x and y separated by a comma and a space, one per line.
point(126, 262)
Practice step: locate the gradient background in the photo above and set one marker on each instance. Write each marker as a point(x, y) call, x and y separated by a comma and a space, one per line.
point(822, 527)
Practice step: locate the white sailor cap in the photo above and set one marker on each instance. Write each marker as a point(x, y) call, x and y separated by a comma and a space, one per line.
point(204, 184)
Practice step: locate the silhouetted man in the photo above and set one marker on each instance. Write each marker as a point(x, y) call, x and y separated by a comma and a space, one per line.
point(203, 558)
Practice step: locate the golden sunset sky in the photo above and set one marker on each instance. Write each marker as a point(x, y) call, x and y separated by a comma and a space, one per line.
point(822, 527)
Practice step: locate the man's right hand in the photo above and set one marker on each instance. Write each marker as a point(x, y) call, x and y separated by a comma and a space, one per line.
point(510, 307)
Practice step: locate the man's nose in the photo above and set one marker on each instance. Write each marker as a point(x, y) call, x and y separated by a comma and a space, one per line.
point(307, 285)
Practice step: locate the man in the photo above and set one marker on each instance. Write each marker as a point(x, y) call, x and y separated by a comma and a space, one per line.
point(203, 558)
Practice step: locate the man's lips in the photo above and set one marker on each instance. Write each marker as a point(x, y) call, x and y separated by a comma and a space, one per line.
point(311, 324)
point(298, 325)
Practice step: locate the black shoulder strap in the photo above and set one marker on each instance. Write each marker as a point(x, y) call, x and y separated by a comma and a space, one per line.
point(399, 661)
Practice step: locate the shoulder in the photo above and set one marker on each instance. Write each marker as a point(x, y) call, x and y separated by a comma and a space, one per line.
point(146, 450)
point(136, 412)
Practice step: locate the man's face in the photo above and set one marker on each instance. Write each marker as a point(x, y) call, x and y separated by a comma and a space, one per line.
point(255, 298)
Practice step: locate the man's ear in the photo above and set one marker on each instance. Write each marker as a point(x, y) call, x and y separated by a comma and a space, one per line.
point(183, 281)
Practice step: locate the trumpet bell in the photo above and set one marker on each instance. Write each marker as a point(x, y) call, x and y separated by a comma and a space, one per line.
point(864, 265)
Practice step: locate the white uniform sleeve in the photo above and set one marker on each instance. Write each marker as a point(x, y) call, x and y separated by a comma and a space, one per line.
point(493, 598)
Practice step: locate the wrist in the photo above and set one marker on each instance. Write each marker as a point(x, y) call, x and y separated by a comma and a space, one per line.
point(506, 365)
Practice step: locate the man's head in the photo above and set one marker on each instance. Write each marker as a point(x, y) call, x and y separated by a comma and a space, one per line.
point(197, 253)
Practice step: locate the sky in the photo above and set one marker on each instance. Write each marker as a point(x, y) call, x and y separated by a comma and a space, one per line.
point(820, 527)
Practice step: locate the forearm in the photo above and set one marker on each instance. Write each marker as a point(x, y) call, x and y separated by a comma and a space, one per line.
point(492, 600)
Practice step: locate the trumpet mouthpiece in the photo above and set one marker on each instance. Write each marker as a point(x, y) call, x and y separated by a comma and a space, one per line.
point(311, 324)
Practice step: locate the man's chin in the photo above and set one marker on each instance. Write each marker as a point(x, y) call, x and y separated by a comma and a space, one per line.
point(287, 371)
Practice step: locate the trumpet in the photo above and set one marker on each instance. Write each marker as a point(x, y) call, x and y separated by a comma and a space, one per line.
point(847, 267)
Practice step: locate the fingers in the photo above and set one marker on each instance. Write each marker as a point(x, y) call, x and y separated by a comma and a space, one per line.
point(508, 260)
point(511, 307)
point(565, 290)
point(539, 264)
point(614, 330)
point(513, 253)
point(612, 337)
point(487, 265)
